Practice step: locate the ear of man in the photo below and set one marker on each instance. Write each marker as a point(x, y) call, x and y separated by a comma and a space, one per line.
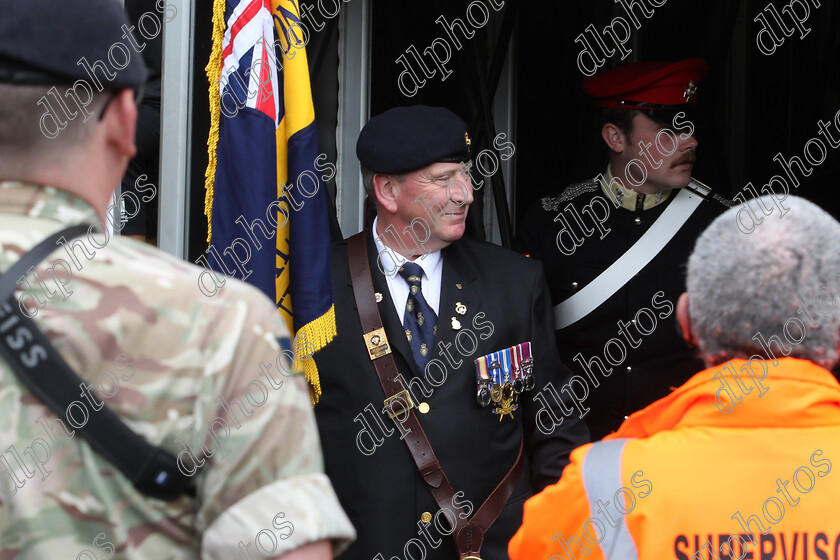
point(119, 123)
point(684, 320)
point(614, 138)
point(386, 188)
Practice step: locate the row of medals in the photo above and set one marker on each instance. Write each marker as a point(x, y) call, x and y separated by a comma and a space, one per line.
point(506, 395)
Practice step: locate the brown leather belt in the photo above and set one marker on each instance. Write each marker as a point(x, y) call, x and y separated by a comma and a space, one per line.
point(468, 532)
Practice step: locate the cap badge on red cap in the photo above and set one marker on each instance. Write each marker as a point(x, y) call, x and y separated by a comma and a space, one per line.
point(690, 91)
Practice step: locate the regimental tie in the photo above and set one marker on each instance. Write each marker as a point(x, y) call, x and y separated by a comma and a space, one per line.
point(420, 321)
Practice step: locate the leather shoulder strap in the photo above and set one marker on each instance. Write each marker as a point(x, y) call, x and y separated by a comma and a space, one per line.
point(397, 401)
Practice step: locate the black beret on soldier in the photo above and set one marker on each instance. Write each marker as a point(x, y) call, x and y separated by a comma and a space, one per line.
point(44, 42)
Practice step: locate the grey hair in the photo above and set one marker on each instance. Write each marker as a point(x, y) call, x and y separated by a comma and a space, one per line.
point(747, 288)
point(367, 181)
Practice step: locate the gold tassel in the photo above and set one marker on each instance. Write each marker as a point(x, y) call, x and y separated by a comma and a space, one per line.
point(214, 76)
point(310, 338)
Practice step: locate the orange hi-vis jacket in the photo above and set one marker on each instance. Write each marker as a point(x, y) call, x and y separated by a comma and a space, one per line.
point(740, 462)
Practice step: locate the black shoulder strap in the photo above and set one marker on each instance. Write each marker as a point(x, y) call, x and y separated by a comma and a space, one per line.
point(8, 281)
point(153, 470)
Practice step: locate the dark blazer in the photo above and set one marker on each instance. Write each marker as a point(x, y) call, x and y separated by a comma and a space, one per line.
point(373, 473)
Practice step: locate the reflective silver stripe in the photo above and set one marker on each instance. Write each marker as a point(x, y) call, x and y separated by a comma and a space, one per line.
point(601, 479)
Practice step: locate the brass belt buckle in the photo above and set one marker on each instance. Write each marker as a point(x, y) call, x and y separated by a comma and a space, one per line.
point(377, 343)
point(404, 397)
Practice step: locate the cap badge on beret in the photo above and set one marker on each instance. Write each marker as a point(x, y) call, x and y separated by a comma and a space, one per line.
point(467, 140)
point(690, 91)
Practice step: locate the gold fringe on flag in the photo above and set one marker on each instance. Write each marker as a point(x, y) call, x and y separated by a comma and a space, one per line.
point(310, 338)
point(214, 76)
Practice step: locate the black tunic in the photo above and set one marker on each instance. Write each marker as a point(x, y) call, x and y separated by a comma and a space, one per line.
point(638, 368)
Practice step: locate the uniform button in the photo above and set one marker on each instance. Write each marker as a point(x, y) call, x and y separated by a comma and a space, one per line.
point(426, 517)
point(633, 321)
point(423, 407)
point(638, 221)
point(574, 285)
point(629, 369)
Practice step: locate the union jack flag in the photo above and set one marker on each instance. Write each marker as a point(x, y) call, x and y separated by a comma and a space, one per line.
point(248, 57)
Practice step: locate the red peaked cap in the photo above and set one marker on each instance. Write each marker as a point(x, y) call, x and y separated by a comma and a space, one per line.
point(648, 85)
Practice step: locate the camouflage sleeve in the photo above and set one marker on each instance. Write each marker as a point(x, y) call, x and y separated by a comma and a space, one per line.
point(262, 487)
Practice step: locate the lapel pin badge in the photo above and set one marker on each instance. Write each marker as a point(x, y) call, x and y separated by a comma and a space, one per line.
point(378, 296)
point(460, 308)
point(456, 324)
point(459, 286)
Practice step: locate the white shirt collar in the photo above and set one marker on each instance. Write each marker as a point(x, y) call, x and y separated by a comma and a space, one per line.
point(431, 263)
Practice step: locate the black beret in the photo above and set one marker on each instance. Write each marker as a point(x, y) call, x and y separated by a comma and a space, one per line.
point(43, 42)
point(409, 138)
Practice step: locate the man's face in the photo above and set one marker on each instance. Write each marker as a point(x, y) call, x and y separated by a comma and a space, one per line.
point(439, 195)
point(667, 155)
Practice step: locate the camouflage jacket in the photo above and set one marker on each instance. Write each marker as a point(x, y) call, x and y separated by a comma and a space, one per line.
point(206, 378)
